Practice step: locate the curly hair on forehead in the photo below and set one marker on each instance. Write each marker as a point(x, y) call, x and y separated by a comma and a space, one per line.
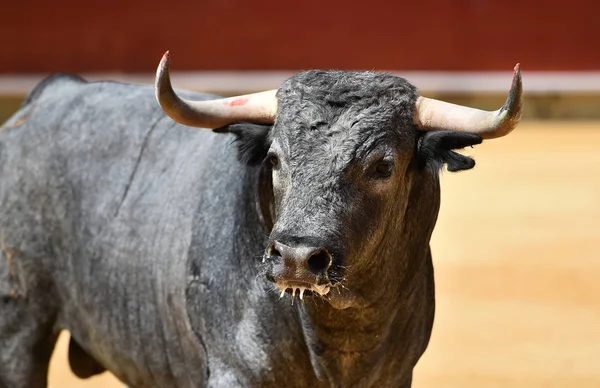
point(319, 99)
point(337, 88)
point(318, 103)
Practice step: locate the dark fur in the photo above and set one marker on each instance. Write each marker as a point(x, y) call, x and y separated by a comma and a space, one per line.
point(252, 141)
point(434, 149)
point(357, 114)
point(146, 239)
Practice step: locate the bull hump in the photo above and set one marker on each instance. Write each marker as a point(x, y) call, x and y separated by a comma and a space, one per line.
point(52, 80)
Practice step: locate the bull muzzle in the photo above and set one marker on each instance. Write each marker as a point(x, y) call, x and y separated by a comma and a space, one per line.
point(299, 268)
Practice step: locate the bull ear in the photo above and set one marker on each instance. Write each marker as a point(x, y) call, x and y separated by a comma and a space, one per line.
point(252, 141)
point(436, 148)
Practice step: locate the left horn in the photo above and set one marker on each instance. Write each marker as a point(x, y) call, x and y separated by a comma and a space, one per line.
point(433, 114)
point(258, 108)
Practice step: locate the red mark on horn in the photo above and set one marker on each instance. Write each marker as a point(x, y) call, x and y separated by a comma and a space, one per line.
point(238, 101)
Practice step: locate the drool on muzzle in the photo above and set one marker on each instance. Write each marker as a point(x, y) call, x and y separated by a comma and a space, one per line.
point(300, 264)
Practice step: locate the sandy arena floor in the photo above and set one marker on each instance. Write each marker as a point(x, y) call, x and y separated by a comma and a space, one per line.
point(517, 258)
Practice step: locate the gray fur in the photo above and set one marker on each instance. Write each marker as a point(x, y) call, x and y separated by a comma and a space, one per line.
point(145, 238)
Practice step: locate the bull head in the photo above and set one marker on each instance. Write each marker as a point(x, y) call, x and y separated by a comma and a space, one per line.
point(429, 114)
point(353, 160)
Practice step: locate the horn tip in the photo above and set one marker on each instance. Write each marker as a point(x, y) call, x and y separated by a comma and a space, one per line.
point(517, 83)
point(164, 62)
point(162, 81)
point(163, 67)
point(517, 71)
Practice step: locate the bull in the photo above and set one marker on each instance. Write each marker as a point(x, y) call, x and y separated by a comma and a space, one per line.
point(287, 242)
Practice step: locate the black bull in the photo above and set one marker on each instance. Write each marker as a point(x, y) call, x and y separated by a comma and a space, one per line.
point(163, 249)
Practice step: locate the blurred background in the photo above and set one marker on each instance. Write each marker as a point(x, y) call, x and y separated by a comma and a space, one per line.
point(516, 245)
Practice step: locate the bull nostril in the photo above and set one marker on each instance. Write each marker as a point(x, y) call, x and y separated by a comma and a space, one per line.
point(273, 252)
point(319, 262)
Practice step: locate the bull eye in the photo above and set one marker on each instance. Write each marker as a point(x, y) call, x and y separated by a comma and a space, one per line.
point(383, 169)
point(273, 160)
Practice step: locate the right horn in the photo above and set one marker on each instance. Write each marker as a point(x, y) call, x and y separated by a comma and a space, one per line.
point(433, 114)
point(259, 108)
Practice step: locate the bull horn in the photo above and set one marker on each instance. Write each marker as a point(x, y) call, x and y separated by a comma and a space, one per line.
point(433, 114)
point(258, 108)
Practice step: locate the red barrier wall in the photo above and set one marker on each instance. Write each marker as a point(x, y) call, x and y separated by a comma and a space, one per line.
point(92, 35)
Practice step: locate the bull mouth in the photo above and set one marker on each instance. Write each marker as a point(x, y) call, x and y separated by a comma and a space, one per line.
point(302, 289)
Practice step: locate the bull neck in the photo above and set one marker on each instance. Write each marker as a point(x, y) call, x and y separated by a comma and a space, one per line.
point(358, 345)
